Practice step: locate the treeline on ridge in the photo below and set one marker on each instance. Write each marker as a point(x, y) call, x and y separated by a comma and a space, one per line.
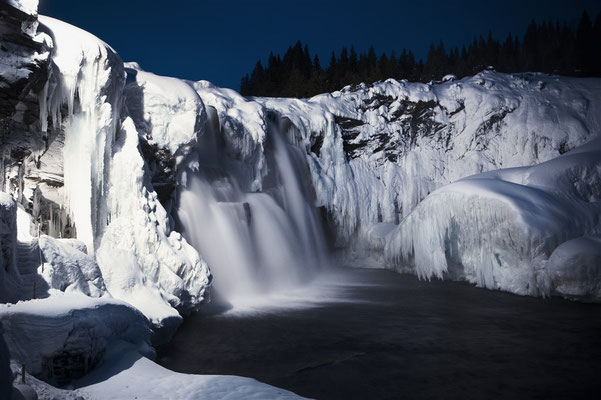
point(546, 47)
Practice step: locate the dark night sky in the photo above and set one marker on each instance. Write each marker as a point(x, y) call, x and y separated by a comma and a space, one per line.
point(221, 40)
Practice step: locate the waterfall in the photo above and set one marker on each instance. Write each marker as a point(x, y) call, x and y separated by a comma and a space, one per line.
point(254, 242)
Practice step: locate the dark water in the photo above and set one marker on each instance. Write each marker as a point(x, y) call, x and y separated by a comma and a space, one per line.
point(403, 339)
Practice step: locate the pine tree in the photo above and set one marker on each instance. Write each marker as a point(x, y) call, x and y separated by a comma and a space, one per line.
point(545, 47)
point(596, 47)
point(584, 35)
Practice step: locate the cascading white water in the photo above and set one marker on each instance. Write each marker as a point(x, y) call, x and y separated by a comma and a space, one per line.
point(254, 243)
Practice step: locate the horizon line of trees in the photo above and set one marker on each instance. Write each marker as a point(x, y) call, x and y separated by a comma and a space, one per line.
point(546, 47)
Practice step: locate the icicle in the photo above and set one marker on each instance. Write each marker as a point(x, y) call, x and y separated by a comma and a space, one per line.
point(90, 84)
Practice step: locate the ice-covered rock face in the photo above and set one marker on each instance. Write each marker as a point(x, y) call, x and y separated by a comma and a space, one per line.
point(166, 111)
point(80, 168)
point(68, 268)
point(88, 78)
point(243, 125)
point(25, 55)
point(114, 207)
point(27, 6)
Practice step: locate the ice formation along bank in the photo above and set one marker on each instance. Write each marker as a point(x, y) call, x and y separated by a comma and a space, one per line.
point(141, 184)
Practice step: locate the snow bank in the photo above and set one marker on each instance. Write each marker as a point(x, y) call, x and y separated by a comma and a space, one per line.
point(61, 337)
point(499, 229)
point(43, 390)
point(126, 374)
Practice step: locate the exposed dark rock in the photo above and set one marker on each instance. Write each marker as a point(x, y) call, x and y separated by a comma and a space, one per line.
point(417, 119)
point(379, 100)
point(161, 165)
point(316, 146)
point(67, 366)
point(347, 124)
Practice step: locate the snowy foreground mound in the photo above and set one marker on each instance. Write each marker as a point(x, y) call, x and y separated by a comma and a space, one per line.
point(494, 179)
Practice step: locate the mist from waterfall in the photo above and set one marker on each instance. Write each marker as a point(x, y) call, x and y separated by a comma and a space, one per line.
point(255, 243)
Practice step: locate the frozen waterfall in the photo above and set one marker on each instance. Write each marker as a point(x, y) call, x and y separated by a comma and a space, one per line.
point(254, 242)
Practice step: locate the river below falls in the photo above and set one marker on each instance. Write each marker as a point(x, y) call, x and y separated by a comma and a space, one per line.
point(375, 334)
